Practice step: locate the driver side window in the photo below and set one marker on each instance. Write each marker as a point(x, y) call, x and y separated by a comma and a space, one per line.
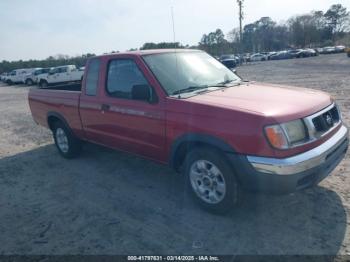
point(123, 75)
point(54, 71)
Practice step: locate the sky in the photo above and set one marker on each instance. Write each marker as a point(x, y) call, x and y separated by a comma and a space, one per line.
point(37, 29)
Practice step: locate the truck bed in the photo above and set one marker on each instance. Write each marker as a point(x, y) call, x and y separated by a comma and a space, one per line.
point(62, 99)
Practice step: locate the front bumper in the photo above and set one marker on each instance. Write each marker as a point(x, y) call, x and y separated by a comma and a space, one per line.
point(294, 173)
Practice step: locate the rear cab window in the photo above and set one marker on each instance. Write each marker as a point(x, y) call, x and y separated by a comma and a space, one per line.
point(92, 77)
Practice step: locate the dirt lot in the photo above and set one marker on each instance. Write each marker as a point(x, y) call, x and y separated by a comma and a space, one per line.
point(108, 202)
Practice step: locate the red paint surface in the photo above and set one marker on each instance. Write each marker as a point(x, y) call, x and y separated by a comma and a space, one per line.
point(236, 115)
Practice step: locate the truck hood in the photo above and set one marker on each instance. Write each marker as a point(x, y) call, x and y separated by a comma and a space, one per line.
point(282, 103)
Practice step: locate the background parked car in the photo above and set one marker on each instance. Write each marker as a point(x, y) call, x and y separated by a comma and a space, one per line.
point(33, 77)
point(319, 50)
point(310, 52)
point(16, 77)
point(340, 49)
point(329, 50)
point(281, 55)
point(42, 74)
point(2, 76)
point(5, 76)
point(299, 53)
point(230, 57)
point(258, 57)
point(229, 63)
point(61, 75)
point(295, 53)
point(30, 76)
point(269, 54)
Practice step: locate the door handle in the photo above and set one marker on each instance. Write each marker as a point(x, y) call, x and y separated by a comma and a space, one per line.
point(105, 107)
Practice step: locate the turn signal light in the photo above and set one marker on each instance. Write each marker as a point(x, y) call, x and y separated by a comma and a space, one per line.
point(276, 137)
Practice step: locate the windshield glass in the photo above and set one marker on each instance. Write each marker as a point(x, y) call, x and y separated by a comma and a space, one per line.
point(183, 70)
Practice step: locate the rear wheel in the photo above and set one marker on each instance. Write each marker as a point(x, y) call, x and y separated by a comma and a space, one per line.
point(43, 84)
point(211, 180)
point(67, 144)
point(29, 82)
point(9, 82)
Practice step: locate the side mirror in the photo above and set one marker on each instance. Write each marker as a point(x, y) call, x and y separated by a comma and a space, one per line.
point(143, 93)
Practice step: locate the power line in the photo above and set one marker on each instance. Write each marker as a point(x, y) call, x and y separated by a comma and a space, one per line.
point(241, 17)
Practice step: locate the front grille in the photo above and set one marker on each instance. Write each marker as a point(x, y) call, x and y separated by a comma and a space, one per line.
point(326, 121)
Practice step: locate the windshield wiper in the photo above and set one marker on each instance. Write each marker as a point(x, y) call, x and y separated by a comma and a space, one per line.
point(203, 87)
point(190, 89)
point(225, 83)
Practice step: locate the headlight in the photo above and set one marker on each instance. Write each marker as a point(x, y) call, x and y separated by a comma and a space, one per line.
point(286, 135)
point(295, 131)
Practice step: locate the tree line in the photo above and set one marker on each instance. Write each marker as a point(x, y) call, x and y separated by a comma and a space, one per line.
point(314, 29)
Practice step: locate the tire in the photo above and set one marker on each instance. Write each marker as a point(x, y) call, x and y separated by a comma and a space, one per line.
point(29, 82)
point(43, 84)
point(9, 82)
point(208, 173)
point(66, 143)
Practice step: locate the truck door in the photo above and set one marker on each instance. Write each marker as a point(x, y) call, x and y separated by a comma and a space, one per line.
point(52, 76)
point(117, 118)
point(63, 75)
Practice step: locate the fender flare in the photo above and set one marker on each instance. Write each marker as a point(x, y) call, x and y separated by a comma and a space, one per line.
point(58, 116)
point(198, 138)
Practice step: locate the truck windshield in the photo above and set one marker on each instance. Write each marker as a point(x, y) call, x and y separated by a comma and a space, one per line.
point(185, 70)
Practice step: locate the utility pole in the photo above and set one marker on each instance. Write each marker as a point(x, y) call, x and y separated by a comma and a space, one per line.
point(241, 17)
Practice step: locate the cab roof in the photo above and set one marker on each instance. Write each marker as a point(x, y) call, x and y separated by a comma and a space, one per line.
point(151, 52)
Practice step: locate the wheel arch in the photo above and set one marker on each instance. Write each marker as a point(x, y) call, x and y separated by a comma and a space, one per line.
point(53, 117)
point(185, 143)
point(41, 80)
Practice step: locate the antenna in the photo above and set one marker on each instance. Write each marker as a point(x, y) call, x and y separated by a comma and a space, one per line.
point(174, 39)
point(174, 35)
point(173, 21)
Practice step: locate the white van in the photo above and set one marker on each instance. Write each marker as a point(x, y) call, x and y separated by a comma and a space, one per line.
point(18, 76)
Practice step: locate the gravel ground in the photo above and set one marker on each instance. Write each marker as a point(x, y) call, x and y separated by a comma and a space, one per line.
point(107, 202)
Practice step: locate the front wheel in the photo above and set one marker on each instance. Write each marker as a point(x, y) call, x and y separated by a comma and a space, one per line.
point(67, 144)
point(211, 180)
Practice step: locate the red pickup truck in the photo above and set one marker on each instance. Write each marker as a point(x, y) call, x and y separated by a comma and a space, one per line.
point(185, 109)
